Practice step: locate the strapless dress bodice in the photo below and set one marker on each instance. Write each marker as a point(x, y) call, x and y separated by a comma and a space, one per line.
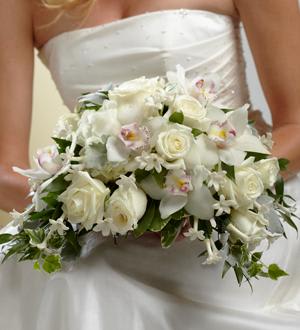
point(148, 45)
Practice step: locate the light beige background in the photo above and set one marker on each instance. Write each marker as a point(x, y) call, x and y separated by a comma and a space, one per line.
point(47, 104)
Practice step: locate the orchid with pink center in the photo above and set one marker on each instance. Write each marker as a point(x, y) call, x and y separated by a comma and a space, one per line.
point(134, 137)
point(181, 190)
point(228, 139)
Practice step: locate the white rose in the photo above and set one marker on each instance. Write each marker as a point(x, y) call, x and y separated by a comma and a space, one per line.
point(125, 207)
point(83, 201)
point(174, 143)
point(193, 111)
point(268, 169)
point(247, 226)
point(131, 98)
point(249, 185)
point(66, 125)
point(94, 126)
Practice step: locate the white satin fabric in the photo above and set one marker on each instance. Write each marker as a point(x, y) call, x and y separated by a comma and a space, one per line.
point(137, 285)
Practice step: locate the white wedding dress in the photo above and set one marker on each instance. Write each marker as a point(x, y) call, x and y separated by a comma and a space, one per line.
point(137, 285)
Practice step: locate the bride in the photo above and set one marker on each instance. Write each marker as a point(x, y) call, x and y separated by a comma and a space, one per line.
point(87, 44)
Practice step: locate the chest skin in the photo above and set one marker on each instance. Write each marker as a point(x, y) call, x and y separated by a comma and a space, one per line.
point(48, 23)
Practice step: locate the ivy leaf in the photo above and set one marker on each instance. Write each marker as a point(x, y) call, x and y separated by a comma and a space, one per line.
point(56, 241)
point(146, 220)
point(256, 256)
point(283, 163)
point(179, 214)
point(15, 249)
point(52, 263)
point(275, 272)
point(254, 269)
point(36, 265)
point(36, 236)
point(158, 223)
point(170, 232)
point(177, 117)
point(71, 248)
point(230, 172)
point(5, 238)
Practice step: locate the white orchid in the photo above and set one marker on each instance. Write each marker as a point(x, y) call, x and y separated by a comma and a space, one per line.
point(181, 190)
point(228, 140)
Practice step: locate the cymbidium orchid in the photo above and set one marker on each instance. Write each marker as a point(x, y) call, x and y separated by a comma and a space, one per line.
point(229, 139)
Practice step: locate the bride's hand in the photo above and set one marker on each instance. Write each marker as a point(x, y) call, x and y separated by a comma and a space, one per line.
point(13, 191)
point(259, 122)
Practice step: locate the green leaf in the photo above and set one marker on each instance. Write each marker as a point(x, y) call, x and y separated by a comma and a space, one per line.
point(58, 185)
point(206, 226)
point(254, 269)
point(37, 236)
point(257, 156)
point(71, 248)
point(279, 187)
point(5, 238)
point(226, 268)
point(239, 274)
point(177, 117)
point(178, 215)
point(160, 177)
point(289, 221)
point(222, 223)
point(51, 199)
point(62, 144)
point(158, 223)
point(170, 232)
point(146, 220)
point(56, 241)
point(226, 110)
point(15, 249)
point(36, 265)
point(196, 132)
point(275, 272)
point(230, 172)
point(140, 174)
point(52, 263)
point(43, 215)
point(283, 163)
point(256, 256)
point(31, 253)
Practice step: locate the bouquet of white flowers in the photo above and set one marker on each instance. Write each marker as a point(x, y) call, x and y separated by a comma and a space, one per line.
point(155, 155)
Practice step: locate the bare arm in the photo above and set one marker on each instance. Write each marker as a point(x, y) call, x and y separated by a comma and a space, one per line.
point(273, 31)
point(16, 74)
